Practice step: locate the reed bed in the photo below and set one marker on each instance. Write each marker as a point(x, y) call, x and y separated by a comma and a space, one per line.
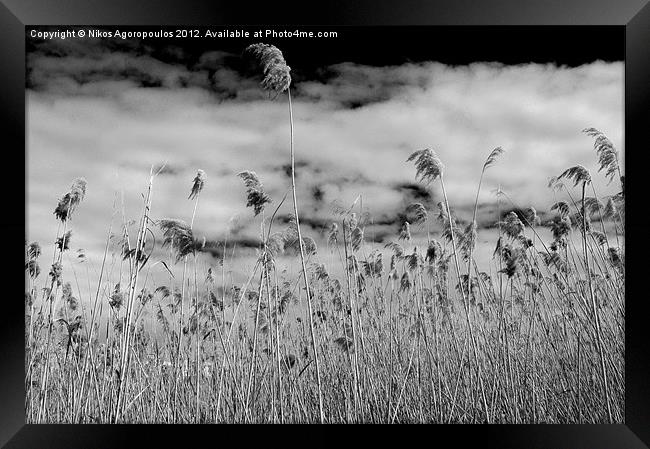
point(355, 335)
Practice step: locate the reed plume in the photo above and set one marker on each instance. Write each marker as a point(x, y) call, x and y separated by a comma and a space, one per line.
point(512, 258)
point(428, 165)
point(277, 76)
point(333, 234)
point(63, 242)
point(467, 241)
point(178, 235)
point(562, 207)
point(356, 238)
point(607, 154)
point(277, 79)
point(405, 231)
point(416, 213)
point(289, 239)
point(197, 184)
point(34, 250)
point(577, 174)
point(434, 252)
point(512, 225)
point(530, 214)
point(471, 233)
point(33, 268)
point(593, 205)
point(560, 227)
point(610, 208)
point(396, 248)
point(375, 266)
point(69, 202)
point(405, 283)
point(255, 195)
point(493, 157)
point(56, 272)
point(414, 260)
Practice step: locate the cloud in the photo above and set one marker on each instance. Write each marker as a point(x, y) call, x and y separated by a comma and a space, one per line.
point(352, 85)
point(112, 114)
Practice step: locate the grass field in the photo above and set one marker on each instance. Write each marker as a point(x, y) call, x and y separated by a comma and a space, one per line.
point(417, 329)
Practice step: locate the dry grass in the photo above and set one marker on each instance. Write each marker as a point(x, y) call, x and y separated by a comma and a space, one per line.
point(405, 341)
point(429, 336)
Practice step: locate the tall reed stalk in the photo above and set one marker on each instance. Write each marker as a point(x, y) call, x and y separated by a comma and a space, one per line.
point(277, 79)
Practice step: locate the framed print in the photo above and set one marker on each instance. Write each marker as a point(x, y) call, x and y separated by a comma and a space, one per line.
point(368, 216)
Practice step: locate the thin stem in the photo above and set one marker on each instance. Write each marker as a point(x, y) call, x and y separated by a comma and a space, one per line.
point(302, 261)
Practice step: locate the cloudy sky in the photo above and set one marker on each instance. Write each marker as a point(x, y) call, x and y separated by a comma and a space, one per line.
point(109, 111)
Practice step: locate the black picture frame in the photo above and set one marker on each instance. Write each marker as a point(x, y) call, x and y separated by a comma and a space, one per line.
point(633, 15)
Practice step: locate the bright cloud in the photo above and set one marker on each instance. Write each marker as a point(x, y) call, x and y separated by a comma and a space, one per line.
point(110, 116)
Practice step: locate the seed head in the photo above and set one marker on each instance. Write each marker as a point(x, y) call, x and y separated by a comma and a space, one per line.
point(434, 251)
point(63, 242)
point(70, 300)
point(277, 76)
point(405, 282)
point(468, 239)
point(197, 185)
point(553, 259)
point(414, 261)
point(309, 245)
point(350, 223)
point(396, 248)
point(405, 231)
point(34, 250)
point(492, 158)
point(71, 200)
point(428, 165)
point(117, 298)
point(512, 225)
point(416, 213)
point(607, 154)
point(356, 238)
point(531, 216)
point(178, 235)
point(33, 268)
point(288, 239)
point(600, 238)
point(333, 234)
point(615, 257)
point(255, 195)
point(562, 207)
point(610, 208)
point(560, 227)
point(56, 271)
point(374, 266)
point(555, 183)
point(512, 257)
point(577, 174)
point(577, 221)
point(593, 205)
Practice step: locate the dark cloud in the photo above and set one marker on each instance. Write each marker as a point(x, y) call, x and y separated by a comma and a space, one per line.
point(69, 66)
point(217, 248)
point(415, 192)
point(317, 224)
point(353, 85)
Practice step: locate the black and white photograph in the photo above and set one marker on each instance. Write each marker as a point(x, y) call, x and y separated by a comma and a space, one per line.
point(324, 225)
